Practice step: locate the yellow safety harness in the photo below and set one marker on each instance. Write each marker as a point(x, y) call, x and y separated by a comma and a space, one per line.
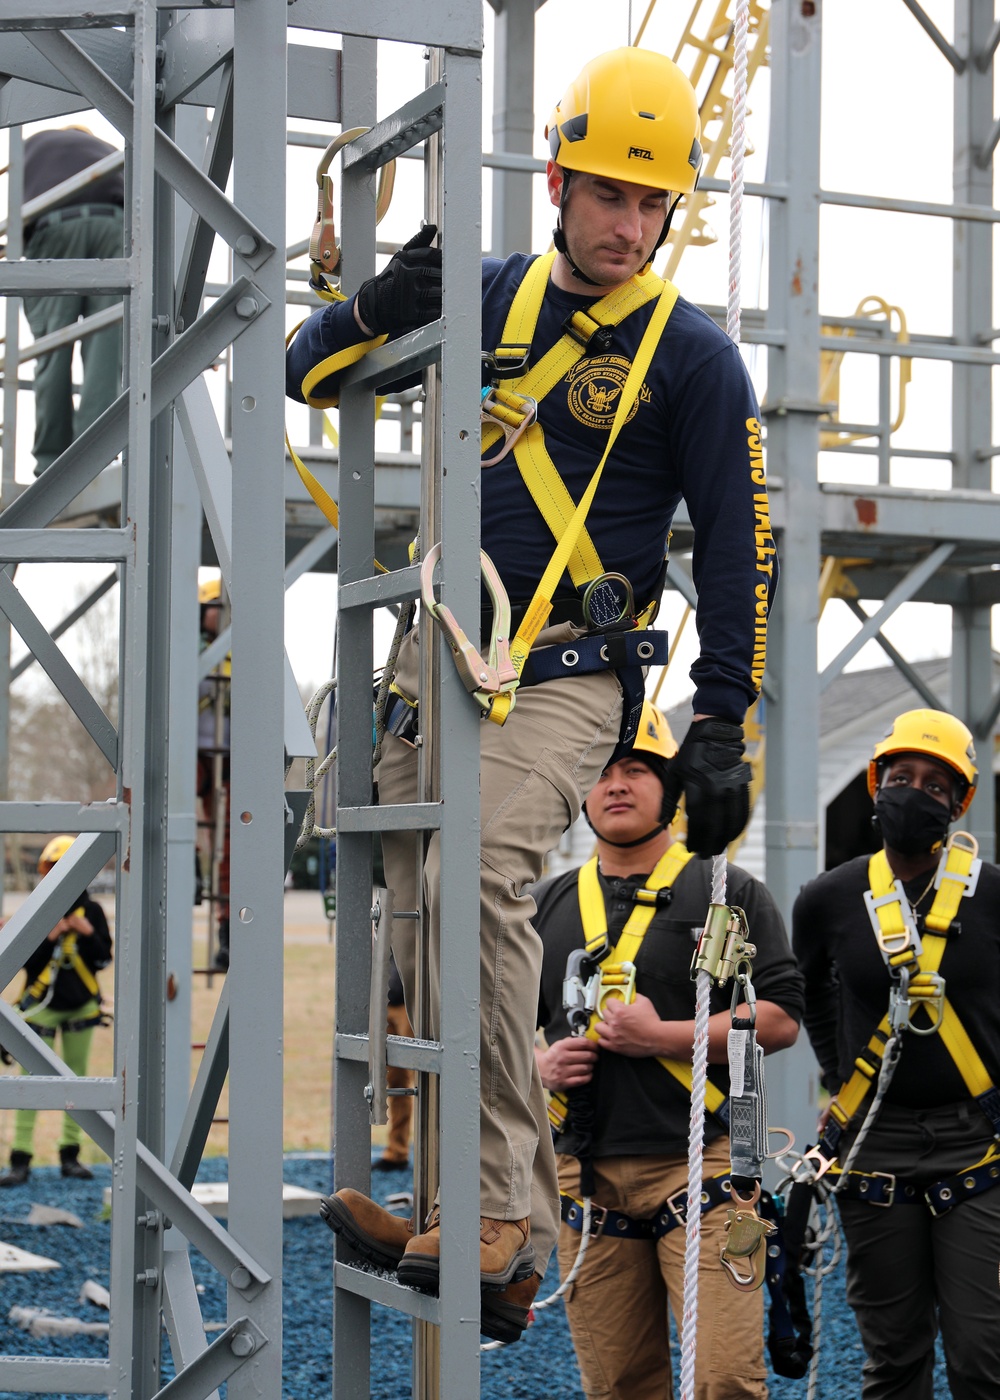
point(575, 549)
point(617, 967)
point(65, 955)
point(915, 961)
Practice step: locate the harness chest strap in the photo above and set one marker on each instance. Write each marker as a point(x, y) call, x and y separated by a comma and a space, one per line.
point(955, 881)
point(595, 926)
point(65, 953)
point(537, 469)
point(540, 606)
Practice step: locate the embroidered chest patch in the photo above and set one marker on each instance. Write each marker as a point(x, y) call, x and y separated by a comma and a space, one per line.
point(595, 386)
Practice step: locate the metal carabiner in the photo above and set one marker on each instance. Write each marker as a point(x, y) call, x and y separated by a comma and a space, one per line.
point(484, 680)
point(744, 1256)
point(743, 987)
point(324, 253)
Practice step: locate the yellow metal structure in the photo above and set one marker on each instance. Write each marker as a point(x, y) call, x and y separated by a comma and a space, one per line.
point(705, 53)
point(830, 362)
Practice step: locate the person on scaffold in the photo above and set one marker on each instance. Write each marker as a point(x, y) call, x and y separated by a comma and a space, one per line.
point(625, 146)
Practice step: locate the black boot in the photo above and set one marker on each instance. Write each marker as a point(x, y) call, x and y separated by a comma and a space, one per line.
point(19, 1171)
point(220, 963)
point(69, 1158)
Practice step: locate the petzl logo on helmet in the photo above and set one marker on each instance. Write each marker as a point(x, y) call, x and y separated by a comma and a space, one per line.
point(639, 153)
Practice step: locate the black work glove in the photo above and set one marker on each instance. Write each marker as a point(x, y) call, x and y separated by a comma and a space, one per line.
point(407, 293)
point(710, 771)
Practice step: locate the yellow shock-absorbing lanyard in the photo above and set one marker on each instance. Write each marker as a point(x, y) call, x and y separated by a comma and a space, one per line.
point(595, 927)
point(956, 879)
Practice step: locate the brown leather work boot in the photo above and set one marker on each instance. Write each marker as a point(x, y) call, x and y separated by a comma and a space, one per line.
point(372, 1232)
point(504, 1316)
point(505, 1255)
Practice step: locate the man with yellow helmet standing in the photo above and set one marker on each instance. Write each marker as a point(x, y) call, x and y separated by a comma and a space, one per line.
point(61, 996)
point(560, 336)
point(630, 1066)
point(901, 956)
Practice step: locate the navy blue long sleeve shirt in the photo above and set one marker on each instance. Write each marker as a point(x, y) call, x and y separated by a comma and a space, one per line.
point(693, 434)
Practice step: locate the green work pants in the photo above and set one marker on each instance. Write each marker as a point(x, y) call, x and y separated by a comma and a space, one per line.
point(57, 424)
point(75, 1050)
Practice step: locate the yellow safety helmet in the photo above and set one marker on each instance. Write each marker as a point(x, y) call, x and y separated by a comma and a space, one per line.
point(654, 734)
point(938, 735)
point(210, 591)
point(55, 850)
point(631, 115)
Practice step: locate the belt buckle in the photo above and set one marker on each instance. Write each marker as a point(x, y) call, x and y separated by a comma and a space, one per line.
point(890, 1190)
point(677, 1212)
point(598, 1220)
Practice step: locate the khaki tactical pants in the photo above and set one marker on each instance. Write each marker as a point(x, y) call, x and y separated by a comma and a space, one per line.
point(618, 1308)
point(399, 1106)
point(535, 772)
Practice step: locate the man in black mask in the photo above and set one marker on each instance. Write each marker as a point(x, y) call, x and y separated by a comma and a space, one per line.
point(910, 938)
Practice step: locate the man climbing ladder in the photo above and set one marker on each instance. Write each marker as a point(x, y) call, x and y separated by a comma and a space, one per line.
point(560, 336)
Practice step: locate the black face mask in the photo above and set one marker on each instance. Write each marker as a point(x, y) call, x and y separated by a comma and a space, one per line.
point(911, 821)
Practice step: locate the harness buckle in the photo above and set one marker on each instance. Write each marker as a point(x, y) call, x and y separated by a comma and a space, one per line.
point(484, 680)
point(818, 1165)
point(676, 1206)
point(598, 1220)
point(890, 1187)
point(594, 338)
point(512, 413)
point(963, 841)
point(507, 361)
point(616, 982)
point(926, 990)
point(892, 944)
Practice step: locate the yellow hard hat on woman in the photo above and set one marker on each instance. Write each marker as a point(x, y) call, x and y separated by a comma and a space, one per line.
point(937, 735)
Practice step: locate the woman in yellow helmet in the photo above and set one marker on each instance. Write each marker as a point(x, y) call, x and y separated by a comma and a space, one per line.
point(910, 937)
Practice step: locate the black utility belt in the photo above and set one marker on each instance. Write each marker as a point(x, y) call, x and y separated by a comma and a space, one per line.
point(887, 1189)
point(603, 651)
point(672, 1214)
point(600, 651)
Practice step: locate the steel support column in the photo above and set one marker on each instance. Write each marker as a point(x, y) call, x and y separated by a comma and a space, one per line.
point(972, 433)
point(513, 121)
point(791, 410)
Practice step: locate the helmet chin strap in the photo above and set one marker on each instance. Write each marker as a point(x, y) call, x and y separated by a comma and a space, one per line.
point(624, 845)
point(561, 246)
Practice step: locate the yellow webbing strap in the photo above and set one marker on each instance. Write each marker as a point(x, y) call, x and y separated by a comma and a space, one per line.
point(540, 606)
point(65, 953)
point(333, 364)
point(537, 469)
point(519, 328)
point(956, 1041)
point(595, 927)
